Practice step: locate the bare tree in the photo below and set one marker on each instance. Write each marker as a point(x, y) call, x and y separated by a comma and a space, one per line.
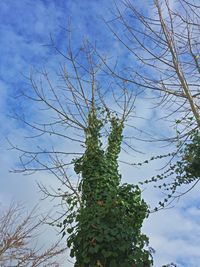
point(19, 234)
point(62, 102)
point(163, 39)
point(80, 106)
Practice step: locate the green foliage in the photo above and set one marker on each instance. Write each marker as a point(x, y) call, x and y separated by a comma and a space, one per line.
point(191, 158)
point(170, 265)
point(185, 171)
point(105, 230)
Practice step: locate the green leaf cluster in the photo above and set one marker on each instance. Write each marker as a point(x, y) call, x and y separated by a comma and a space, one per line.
point(106, 228)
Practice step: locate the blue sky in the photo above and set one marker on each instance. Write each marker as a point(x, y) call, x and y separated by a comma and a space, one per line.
point(25, 28)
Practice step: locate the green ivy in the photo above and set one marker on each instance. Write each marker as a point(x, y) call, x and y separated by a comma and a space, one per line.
point(185, 170)
point(105, 230)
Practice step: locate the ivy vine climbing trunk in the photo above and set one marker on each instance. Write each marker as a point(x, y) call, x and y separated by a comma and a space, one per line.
point(106, 228)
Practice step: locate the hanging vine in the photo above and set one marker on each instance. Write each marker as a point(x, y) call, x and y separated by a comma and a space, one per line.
point(184, 171)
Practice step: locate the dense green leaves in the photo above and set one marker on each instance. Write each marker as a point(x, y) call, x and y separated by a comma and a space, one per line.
point(106, 228)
